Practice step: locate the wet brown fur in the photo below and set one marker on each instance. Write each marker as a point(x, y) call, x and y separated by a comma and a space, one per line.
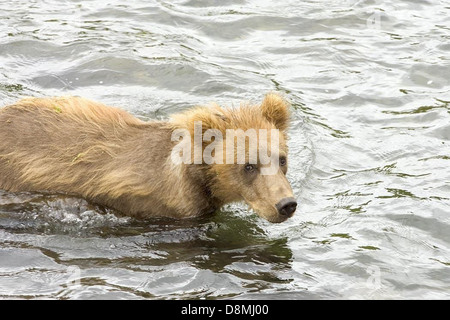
point(75, 146)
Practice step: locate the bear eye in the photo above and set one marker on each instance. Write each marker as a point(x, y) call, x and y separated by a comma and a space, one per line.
point(283, 161)
point(250, 167)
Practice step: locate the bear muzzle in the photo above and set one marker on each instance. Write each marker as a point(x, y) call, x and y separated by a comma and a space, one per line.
point(286, 207)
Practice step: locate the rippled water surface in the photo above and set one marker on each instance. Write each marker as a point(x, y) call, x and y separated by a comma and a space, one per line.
point(369, 84)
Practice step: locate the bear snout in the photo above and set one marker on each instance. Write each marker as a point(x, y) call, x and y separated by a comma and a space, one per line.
point(286, 207)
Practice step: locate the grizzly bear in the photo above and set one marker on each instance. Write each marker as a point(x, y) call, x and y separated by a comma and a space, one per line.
point(74, 146)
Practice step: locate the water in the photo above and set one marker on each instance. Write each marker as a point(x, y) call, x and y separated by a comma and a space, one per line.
point(369, 147)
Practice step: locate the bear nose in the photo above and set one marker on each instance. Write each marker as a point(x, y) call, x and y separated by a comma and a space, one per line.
point(286, 207)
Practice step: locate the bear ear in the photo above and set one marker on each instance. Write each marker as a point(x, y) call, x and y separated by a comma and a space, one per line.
point(275, 109)
point(212, 118)
point(209, 117)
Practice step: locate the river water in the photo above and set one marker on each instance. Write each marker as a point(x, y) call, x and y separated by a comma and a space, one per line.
point(369, 84)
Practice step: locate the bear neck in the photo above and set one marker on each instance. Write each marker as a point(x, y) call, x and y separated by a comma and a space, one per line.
point(202, 181)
